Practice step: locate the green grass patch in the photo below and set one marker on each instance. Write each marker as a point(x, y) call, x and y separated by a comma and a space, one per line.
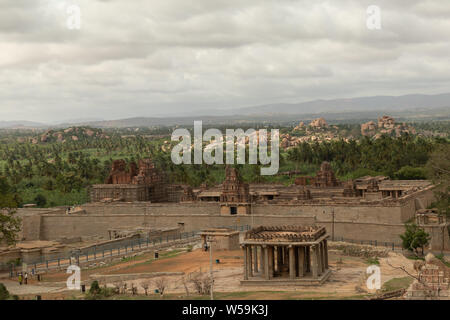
point(162, 255)
point(372, 261)
point(397, 283)
point(442, 258)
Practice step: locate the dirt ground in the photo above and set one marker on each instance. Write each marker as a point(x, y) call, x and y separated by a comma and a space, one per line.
point(346, 279)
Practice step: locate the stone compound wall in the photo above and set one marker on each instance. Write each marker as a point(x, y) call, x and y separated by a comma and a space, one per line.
point(383, 222)
point(357, 222)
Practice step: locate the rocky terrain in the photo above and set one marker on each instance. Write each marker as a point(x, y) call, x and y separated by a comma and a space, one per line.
point(63, 135)
point(385, 125)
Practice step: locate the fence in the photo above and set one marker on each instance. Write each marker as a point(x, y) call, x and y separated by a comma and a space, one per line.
point(376, 243)
point(101, 252)
point(97, 253)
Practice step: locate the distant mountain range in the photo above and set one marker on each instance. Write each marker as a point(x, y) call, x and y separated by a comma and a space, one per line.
point(407, 107)
point(377, 103)
point(21, 124)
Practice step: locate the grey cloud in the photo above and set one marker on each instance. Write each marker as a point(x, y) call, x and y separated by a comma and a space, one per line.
point(161, 57)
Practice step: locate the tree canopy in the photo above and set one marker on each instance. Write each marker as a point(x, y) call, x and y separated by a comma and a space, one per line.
point(9, 223)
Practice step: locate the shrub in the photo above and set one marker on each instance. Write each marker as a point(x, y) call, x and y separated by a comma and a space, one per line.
point(4, 294)
point(96, 292)
point(414, 238)
point(410, 173)
point(95, 288)
point(40, 200)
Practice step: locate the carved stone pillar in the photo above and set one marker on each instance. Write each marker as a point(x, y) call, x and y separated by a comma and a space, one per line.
point(291, 262)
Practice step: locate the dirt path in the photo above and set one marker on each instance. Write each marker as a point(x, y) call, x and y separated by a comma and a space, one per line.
point(347, 275)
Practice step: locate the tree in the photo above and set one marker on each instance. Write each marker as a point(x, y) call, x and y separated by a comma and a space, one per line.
point(95, 288)
point(145, 285)
point(438, 170)
point(9, 224)
point(410, 173)
point(414, 238)
point(4, 294)
point(161, 285)
point(40, 200)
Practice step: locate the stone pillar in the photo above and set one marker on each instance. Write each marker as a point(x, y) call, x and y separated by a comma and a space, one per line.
point(249, 261)
point(279, 258)
point(324, 256)
point(255, 259)
point(319, 259)
point(261, 260)
point(244, 247)
point(266, 263)
point(271, 261)
point(291, 263)
point(301, 261)
point(314, 262)
point(286, 256)
point(308, 259)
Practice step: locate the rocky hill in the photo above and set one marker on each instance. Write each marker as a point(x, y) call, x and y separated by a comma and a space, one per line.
point(69, 134)
point(385, 125)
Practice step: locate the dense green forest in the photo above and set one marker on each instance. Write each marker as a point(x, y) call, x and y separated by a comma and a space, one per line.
point(55, 173)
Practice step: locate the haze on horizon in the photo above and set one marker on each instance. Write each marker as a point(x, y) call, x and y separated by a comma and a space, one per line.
point(173, 57)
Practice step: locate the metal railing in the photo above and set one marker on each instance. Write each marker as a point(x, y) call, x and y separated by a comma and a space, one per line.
point(100, 252)
point(386, 244)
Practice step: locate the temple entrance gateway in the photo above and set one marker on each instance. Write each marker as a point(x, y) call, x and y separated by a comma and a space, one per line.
point(287, 255)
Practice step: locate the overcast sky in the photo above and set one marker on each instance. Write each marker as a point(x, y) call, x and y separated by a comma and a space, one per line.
point(171, 57)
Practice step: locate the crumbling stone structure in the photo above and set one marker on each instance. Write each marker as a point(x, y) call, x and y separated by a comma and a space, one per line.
point(143, 183)
point(188, 194)
point(350, 189)
point(437, 226)
point(295, 255)
point(119, 173)
point(433, 281)
point(325, 176)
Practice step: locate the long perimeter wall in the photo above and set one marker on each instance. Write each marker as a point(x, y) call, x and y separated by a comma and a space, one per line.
point(364, 221)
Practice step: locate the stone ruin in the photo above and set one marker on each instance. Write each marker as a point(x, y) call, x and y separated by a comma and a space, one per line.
point(433, 281)
point(235, 196)
point(325, 176)
point(233, 189)
point(146, 183)
point(132, 183)
point(120, 174)
point(426, 217)
point(285, 255)
point(350, 189)
point(188, 194)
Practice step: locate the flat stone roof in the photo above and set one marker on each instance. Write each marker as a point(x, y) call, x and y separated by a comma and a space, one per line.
point(285, 234)
point(218, 232)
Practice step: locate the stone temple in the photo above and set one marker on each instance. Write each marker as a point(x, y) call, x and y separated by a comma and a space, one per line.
point(143, 183)
point(138, 195)
point(285, 255)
